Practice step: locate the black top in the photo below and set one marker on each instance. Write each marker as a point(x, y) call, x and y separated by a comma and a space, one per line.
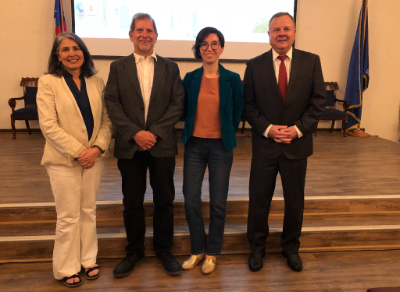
point(82, 99)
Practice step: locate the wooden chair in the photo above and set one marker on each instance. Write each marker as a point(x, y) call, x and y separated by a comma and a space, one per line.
point(331, 113)
point(29, 111)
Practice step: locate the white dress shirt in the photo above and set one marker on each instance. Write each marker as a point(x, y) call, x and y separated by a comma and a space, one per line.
point(277, 63)
point(145, 73)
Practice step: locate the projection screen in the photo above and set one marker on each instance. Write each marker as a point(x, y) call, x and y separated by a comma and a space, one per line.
point(104, 25)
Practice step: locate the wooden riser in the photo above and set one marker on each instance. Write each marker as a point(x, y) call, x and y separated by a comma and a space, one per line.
point(113, 210)
point(330, 224)
point(33, 228)
point(235, 242)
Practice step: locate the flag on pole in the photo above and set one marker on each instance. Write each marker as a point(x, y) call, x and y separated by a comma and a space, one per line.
point(358, 76)
point(59, 17)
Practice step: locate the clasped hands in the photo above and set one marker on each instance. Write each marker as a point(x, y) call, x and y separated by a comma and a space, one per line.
point(282, 134)
point(145, 140)
point(88, 157)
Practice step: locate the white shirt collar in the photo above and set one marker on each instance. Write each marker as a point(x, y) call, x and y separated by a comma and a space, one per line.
point(138, 57)
point(276, 55)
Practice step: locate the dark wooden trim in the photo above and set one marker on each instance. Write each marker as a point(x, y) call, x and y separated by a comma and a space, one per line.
point(239, 61)
point(73, 15)
point(35, 130)
point(295, 19)
point(191, 60)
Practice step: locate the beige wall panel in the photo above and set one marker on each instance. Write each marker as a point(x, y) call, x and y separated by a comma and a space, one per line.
point(26, 37)
point(382, 98)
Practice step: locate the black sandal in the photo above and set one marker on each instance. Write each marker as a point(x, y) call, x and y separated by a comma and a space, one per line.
point(89, 270)
point(73, 284)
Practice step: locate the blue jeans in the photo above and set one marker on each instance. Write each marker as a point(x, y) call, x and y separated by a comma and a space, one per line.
point(200, 152)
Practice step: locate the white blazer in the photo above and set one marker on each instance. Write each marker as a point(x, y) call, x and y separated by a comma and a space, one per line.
point(62, 123)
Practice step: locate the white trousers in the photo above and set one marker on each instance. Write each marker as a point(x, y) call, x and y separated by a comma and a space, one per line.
point(75, 192)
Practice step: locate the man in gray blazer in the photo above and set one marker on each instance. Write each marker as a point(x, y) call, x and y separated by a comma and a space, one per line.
point(284, 96)
point(144, 98)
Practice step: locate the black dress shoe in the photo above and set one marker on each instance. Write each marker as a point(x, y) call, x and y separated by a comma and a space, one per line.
point(169, 263)
point(126, 267)
point(294, 261)
point(256, 261)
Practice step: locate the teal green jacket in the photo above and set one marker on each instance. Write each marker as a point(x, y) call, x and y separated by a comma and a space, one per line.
point(230, 104)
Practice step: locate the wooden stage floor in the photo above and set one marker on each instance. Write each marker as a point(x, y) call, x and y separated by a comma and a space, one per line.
point(350, 239)
point(339, 167)
point(328, 271)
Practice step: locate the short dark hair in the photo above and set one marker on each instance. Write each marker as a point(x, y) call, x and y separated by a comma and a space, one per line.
point(55, 67)
point(205, 32)
point(140, 16)
point(279, 14)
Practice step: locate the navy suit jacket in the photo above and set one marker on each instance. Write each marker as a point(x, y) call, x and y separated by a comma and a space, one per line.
point(230, 103)
point(304, 103)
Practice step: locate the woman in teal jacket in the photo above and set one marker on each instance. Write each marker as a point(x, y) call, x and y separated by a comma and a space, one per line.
point(213, 107)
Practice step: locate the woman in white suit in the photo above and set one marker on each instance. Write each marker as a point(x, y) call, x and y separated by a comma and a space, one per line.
point(74, 121)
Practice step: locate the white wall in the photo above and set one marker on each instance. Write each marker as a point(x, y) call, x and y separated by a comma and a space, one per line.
point(27, 34)
point(328, 29)
point(324, 27)
point(382, 99)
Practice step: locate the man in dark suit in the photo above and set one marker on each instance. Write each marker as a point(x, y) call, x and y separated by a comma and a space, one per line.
point(284, 96)
point(144, 98)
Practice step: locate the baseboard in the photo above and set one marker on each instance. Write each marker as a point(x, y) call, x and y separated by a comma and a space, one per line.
point(20, 130)
point(177, 129)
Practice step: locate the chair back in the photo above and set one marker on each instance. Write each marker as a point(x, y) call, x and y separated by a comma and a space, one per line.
point(30, 97)
point(330, 98)
point(30, 91)
point(331, 88)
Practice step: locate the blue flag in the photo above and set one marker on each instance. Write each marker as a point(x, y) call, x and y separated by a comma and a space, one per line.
point(358, 76)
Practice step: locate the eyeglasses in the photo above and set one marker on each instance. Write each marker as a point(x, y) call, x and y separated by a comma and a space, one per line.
point(214, 46)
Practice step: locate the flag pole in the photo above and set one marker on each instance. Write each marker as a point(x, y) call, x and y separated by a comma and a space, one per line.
point(358, 132)
point(358, 75)
point(62, 16)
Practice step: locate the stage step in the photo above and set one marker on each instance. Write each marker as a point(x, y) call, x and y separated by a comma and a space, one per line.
point(112, 210)
point(330, 224)
point(47, 227)
point(313, 239)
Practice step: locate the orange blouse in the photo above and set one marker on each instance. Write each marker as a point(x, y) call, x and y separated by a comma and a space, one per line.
point(207, 121)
